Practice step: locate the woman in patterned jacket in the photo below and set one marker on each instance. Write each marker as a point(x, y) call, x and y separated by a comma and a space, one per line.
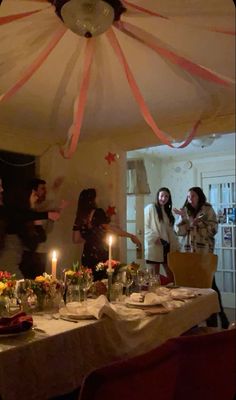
point(198, 225)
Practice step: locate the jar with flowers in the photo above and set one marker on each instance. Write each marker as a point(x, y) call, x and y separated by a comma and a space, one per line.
point(48, 291)
point(78, 280)
point(7, 292)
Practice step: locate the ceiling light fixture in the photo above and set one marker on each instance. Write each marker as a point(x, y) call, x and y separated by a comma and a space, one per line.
point(88, 18)
point(205, 141)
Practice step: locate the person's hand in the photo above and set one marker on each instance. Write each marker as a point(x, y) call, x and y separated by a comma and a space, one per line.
point(53, 215)
point(180, 212)
point(136, 241)
point(33, 199)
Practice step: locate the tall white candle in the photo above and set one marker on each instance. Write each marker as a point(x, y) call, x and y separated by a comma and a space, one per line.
point(109, 253)
point(54, 264)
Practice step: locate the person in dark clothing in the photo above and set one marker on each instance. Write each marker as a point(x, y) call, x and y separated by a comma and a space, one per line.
point(32, 232)
point(91, 227)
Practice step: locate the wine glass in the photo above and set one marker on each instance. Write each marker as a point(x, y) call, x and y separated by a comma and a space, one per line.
point(141, 278)
point(85, 286)
point(126, 278)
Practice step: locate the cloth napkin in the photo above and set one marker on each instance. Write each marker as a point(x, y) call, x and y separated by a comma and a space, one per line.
point(153, 298)
point(19, 322)
point(137, 297)
point(100, 307)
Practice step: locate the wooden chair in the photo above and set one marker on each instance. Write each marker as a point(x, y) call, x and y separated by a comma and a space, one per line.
point(193, 269)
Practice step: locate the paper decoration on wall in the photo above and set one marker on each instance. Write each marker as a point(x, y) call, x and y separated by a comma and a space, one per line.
point(137, 34)
point(111, 210)
point(110, 157)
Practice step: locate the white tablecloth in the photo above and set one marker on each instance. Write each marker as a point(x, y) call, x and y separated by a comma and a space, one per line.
point(37, 366)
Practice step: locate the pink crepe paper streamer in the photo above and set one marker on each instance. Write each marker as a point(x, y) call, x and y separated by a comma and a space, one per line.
point(154, 14)
point(144, 10)
point(9, 18)
point(139, 98)
point(80, 102)
point(150, 41)
point(219, 30)
point(35, 65)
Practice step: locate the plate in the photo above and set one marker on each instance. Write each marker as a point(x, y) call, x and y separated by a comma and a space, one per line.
point(76, 317)
point(15, 334)
point(142, 304)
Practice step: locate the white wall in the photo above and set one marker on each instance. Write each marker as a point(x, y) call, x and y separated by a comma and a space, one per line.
point(180, 174)
point(87, 168)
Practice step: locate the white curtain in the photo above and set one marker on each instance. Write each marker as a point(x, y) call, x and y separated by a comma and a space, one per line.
point(137, 178)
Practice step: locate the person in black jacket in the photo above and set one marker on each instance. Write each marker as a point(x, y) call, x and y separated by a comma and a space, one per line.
point(32, 232)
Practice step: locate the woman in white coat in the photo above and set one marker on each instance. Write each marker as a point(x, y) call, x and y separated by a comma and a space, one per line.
point(159, 235)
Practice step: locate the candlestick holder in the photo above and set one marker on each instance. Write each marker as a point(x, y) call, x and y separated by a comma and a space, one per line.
point(109, 286)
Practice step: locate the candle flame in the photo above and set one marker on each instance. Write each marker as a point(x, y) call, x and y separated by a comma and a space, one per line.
point(110, 240)
point(54, 255)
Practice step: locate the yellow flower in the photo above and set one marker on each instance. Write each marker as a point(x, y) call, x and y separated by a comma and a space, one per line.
point(70, 272)
point(40, 278)
point(2, 287)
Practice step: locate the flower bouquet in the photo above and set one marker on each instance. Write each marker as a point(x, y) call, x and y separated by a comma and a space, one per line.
point(48, 292)
point(7, 291)
point(120, 274)
point(78, 279)
point(117, 267)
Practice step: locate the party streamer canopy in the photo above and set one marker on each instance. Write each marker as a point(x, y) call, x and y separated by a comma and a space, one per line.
point(140, 72)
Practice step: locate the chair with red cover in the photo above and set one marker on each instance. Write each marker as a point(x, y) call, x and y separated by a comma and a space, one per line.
point(206, 366)
point(149, 376)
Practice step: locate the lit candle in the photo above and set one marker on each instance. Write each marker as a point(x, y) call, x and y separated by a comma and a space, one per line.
point(109, 253)
point(54, 264)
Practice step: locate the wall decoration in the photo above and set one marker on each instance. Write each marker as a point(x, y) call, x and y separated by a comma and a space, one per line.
point(110, 211)
point(110, 157)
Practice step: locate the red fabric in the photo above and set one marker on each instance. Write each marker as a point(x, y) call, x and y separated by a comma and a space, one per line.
point(165, 280)
point(184, 368)
point(149, 376)
point(17, 323)
point(206, 366)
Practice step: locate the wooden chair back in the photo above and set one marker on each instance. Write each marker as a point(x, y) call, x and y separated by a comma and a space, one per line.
point(193, 269)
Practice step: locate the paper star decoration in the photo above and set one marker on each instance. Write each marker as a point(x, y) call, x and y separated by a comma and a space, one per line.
point(110, 157)
point(111, 211)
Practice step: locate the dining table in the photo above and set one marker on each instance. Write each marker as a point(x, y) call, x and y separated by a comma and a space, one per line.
point(52, 358)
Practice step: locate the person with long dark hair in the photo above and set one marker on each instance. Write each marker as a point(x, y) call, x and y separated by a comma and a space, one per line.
point(159, 234)
point(198, 226)
point(91, 227)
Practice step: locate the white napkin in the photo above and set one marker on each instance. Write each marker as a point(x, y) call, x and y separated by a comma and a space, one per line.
point(182, 293)
point(137, 297)
point(162, 290)
point(153, 298)
point(99, 307)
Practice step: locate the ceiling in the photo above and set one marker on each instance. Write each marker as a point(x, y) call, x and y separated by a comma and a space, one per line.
point(222, 144)
point(41, 112)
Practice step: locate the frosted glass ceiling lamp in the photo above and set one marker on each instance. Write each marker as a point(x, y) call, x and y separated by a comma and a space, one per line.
point(202, 142)
point(87, 17)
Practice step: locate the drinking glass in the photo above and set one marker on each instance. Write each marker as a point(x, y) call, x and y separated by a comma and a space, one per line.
point(85, 286)
point(126, 278)
point(142, 278)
